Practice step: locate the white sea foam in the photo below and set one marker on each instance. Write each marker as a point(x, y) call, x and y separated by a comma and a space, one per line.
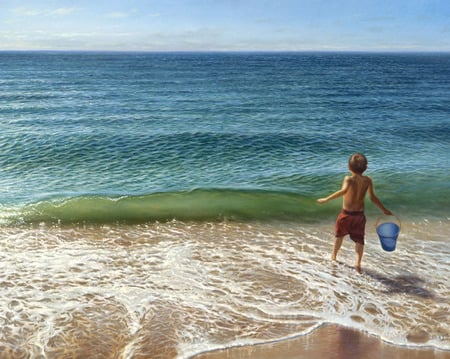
point(181, 288)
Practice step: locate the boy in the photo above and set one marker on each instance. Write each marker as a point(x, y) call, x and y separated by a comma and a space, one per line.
point(352, 220)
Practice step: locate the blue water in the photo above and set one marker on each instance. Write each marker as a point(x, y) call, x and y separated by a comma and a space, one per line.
point(133, 124)
point(164, 204)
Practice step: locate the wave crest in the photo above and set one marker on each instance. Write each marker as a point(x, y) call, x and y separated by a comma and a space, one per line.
point(195, 205)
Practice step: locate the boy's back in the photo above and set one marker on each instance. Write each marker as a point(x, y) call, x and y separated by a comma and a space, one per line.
point(355, 187)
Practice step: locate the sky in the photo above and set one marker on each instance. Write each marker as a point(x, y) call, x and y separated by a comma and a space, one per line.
point(225, 25)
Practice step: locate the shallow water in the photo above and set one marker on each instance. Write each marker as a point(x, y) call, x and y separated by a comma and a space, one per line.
point(175, 289)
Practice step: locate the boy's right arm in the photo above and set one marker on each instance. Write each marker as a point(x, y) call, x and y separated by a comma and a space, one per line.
point(341, 192)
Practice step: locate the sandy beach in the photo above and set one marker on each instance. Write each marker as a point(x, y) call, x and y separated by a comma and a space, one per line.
point(328, 342)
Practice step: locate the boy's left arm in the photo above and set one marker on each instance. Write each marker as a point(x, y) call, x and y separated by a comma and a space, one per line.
point(375, 199)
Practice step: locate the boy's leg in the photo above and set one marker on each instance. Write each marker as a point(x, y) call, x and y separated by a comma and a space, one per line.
point(337, 246)
point(359, 249)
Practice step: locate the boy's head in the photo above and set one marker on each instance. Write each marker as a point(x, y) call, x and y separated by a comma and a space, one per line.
point(357, 163)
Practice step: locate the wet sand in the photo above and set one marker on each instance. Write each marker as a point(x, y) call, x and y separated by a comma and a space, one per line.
point(327, 342)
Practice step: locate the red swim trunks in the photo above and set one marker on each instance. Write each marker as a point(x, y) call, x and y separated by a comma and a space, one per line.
point(352, 223)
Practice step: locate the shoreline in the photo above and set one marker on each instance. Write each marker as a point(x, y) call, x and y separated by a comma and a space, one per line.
point(329, 341)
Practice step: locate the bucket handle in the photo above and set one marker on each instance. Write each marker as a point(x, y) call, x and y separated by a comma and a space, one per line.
point(396, 217)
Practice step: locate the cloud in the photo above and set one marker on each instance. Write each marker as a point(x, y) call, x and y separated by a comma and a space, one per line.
point(22, 11)
point(62, 11)
point(117, 15)
point(121, 14)
point(70, 40)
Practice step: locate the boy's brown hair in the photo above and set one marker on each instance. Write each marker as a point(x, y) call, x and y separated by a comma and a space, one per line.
point(357, 163)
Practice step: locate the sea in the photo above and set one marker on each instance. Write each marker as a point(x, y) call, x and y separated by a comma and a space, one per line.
point(161, 205)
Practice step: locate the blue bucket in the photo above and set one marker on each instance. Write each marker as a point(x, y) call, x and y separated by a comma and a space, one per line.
point(388, 233)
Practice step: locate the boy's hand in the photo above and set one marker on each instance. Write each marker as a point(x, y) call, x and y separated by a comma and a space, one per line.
point(388, 212)
point(321, 200)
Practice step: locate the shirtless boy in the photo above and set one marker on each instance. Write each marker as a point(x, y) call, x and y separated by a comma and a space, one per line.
point(352, 220)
